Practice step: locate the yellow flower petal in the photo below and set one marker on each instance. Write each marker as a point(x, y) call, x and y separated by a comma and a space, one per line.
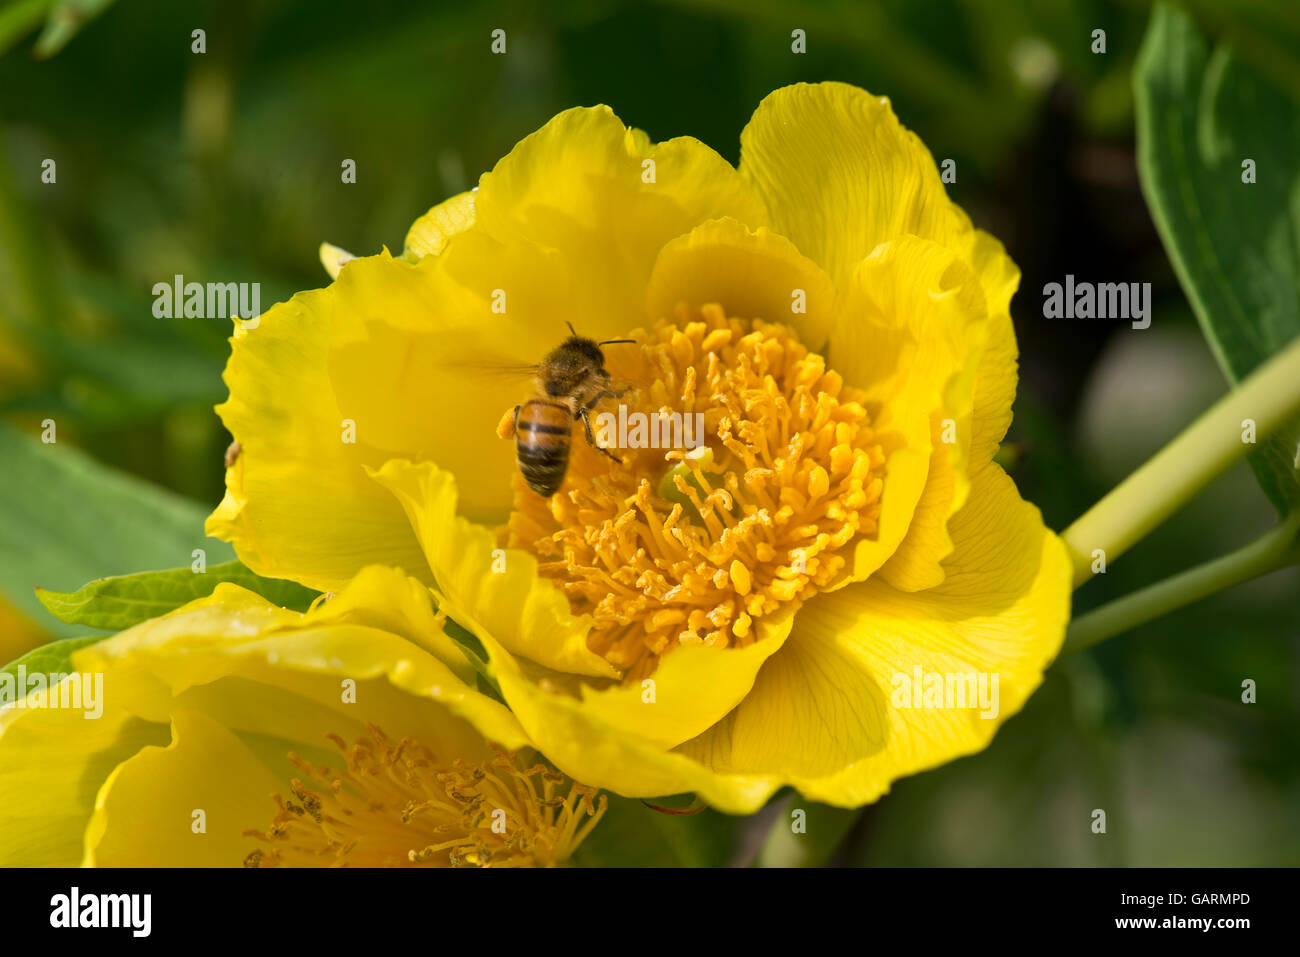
point(51, 763)
point(912, 332)
point(437, 352)
point(428, 235)
point(609, 199)
point(334, 258)
point(752, 274)
point(822, 714)
point(995, 382)
point(384, 598)
point(690, 691)
point(145, 813)
point(840, 176)
point(574, 738)
point(904, 435)
point(298, 502)
point(309, 418)
point(239, 636)
point(485, 587)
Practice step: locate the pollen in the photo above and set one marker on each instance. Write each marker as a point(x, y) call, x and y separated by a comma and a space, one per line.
point(668, 546)
point(397, 805)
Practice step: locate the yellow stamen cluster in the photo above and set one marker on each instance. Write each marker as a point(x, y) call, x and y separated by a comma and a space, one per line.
point(396, 805)
point(670, 546)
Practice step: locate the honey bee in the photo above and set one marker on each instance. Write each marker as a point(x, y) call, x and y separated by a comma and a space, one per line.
point(570, 381)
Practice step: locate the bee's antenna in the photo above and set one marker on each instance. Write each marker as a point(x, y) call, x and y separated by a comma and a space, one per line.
point(571, 329)
point(614, 342)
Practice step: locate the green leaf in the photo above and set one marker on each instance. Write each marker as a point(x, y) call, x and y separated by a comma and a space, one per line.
point(1234, 245)
point(117, 603)
point(823, 829)
point(477, 656)
point(634, 834)
point(65, 519)
point(52, 658)
point(19, 18)
point(63, 19)
point(67, 17)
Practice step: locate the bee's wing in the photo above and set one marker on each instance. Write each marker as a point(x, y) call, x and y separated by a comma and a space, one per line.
point(490, 365)
point(501, 370)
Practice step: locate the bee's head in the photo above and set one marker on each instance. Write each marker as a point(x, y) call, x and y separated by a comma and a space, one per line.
point(589, 349)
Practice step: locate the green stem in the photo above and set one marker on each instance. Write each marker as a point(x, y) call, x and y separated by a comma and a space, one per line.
point(22, 242)
point(1276, 549)
point(1270, 396)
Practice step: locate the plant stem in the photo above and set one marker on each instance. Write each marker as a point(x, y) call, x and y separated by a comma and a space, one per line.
point(1270, 396)
point(1271, 551)
point(36, 291)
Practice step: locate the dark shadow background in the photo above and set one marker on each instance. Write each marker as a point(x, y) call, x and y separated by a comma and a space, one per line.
point(227, 164)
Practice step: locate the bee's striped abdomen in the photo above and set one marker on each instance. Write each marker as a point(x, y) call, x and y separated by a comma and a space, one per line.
point(542, 435)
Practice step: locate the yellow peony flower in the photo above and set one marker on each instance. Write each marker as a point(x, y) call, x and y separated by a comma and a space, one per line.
point(763, 610)
point(220, 736)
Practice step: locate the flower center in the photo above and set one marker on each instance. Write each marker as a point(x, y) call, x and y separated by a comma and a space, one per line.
point(676, 545)
point(396, 805)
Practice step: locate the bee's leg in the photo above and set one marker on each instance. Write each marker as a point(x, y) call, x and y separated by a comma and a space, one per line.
point(603, 394)
point(610, 393)
point(508, 427)
point(585, 415)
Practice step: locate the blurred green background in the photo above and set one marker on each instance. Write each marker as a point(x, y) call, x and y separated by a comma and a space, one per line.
point(227, 165)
